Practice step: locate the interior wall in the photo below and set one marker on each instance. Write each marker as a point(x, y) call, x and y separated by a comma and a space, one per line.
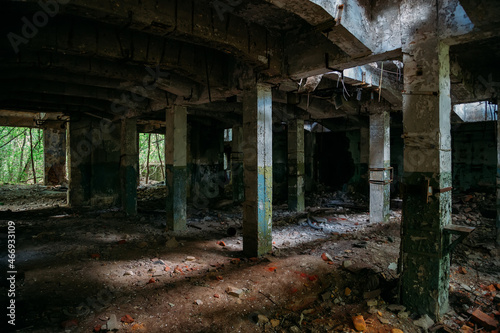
point(337, 160)
point(474, 156)
point(206, 164)
point(280, 164)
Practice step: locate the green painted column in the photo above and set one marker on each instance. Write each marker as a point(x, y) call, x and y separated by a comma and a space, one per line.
point(258, 170)
point(380, 161)
point(176, 167)
point(54, 156)
point(129, 165)
point(427, 177)
point(237, 164)
point(296, 165)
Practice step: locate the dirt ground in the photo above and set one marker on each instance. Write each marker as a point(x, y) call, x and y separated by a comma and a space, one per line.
point(84, 271)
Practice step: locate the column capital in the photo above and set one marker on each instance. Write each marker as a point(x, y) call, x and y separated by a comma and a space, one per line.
point(376, 107)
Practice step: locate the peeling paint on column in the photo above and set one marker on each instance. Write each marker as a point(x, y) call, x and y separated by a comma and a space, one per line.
point(380, 150)
point(258, 170)
point(427, 161)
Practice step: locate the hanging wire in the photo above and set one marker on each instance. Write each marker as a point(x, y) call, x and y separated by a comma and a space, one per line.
point(344, 90)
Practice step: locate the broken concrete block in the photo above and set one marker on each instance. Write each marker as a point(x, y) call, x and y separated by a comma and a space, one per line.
point(371, 302)
point(403, 314)
point(372, 294)
point(112, 323)
point(171, 243)
point(484, 320)
point(359, 323)
point(233, 291)
point(396, 307)
point(261, 319)
point(393, 266)
point(424, 322)
point(326, 296)
point(346, 263)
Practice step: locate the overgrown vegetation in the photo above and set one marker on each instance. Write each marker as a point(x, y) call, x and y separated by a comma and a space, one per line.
point(18, 159)
point(21, 155)
point(152, 157)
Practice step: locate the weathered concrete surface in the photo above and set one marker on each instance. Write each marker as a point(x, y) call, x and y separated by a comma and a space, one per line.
point(54, 156)
point(369, 75)
point(380, 161)
point(176, 167)
point(237, 164)
point(79, 163)
point(94, 162)
point(258, 169)
point(129, 165)
point(296, 165)
point(474, 155)
point(498, 182)
point(427, 161)
point(206, 163)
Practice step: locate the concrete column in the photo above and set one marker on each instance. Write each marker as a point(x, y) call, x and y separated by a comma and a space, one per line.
point(380, 161)
point(498, 181)
point(94, 163)
point(106, 156)
point(296, 165)
point(427, 160)
point(176, 167)
point(54, 156)
point(129, 165)
point(237, 164)
point(258, 169)
point(309, 144)
point(79, 162)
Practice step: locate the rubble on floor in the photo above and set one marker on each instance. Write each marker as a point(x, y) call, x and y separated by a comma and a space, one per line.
point(103, 271)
